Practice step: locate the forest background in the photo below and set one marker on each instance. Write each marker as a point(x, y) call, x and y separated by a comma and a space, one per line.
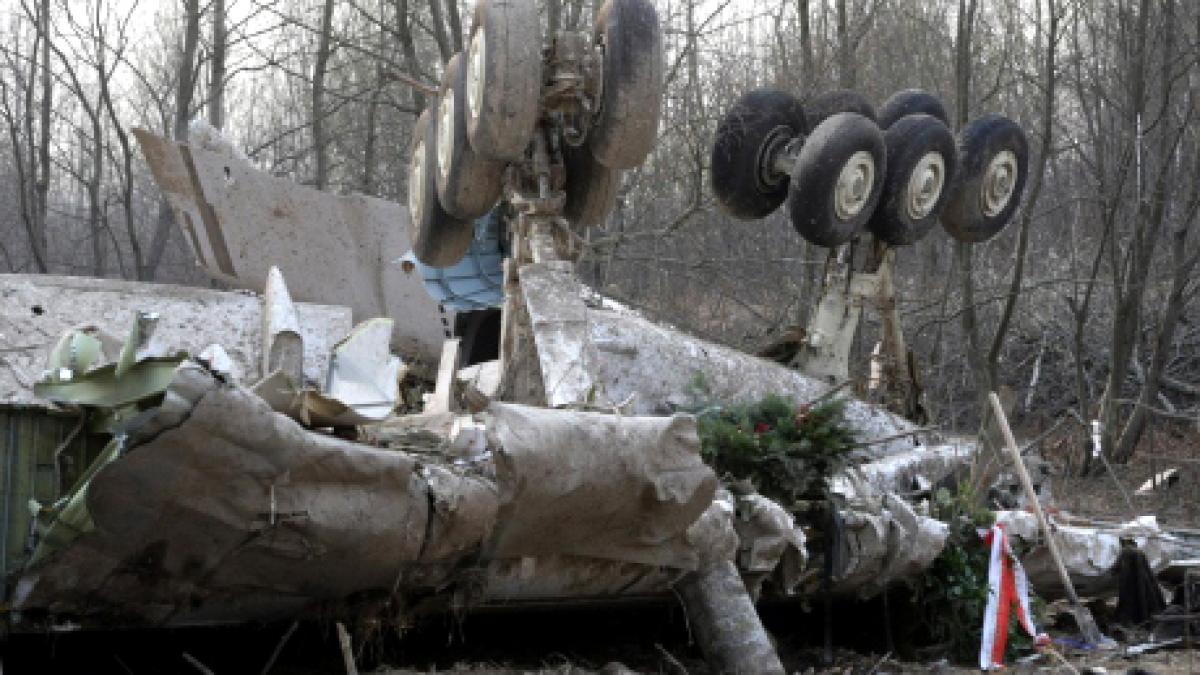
point(1082, 308)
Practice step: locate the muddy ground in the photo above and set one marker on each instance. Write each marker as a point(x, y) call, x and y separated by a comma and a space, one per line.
point(1099, 495)
point(642, 638)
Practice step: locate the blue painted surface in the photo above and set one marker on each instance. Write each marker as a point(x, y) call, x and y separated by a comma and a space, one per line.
point(475, 282)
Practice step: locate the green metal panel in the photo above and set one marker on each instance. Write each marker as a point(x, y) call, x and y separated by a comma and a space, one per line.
point(30, 439)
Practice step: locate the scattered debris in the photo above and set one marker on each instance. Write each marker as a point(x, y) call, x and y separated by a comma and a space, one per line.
point(1162, 479)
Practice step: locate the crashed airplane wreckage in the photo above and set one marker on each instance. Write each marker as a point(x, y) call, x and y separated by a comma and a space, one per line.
point(226, 491)
point(218, 497)
point(185, 456)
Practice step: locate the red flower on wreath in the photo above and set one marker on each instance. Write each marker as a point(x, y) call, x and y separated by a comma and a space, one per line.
point(802, 414)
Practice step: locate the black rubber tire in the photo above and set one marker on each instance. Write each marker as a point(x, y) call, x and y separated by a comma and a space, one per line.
point(468, 184)
point(812, 196)
point(830, 103)
point(626, 120)
point(911, 102)
point(504, 77)
point(982, 141)
point(591, 187)
point(760, 120)
point(909, 141)
point(438, 238)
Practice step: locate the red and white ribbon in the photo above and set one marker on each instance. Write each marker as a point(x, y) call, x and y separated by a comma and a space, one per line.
point(1007, 588)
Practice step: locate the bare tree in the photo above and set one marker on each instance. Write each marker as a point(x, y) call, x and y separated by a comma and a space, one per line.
point(320, 69)
point(216, 79)
point(184, 91)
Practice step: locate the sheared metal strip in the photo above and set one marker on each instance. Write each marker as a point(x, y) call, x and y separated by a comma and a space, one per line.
point(212, 227)
point(190, 229)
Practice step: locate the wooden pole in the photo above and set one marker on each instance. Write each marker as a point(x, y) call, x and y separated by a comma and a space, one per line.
point(1087, 623)
point(347, 650)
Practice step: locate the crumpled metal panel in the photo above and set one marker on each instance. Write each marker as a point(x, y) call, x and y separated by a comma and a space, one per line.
point(655, 368)
point(559, 578)
point(1089, 552)
point(886, 546)
point(899, 472)
point(713, 534)
point(598, 485)
point(463, 513)
point(216, 508)
point(882, 538)
point(220, 508)
point(593, 350)
point(770, 542)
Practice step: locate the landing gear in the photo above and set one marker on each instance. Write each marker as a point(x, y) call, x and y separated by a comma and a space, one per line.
point(438, 238)
point(922, 161)
point(994, 157)
point(830, 178)
point(849, 175)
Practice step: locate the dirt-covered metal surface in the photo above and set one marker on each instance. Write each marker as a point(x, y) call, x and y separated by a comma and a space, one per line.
point(35, 310)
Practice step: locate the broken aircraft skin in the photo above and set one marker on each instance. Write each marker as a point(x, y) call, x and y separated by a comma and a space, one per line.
point(217, 508)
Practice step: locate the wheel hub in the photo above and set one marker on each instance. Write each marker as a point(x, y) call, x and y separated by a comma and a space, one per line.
point(854, 184)
point(999, 182)
point(925, 185)
point(772, 149)
point(416, 182)
point(475, 67)
point(445, 134)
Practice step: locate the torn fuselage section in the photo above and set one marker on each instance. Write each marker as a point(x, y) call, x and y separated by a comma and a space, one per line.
point(214, 507)
point(229, 489)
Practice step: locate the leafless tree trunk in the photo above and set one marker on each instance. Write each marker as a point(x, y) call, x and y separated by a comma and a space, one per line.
point(963, 252)
point(372, 118)
point(962, 61)
point(1182, 290)
point(164, 224)
point(1046, 131)
point(91, 173)
point(320, 142)
point(216, 80)
point(553, 17)
point(807, 67)
point(1131, 273)
point(103, 46)
point(695, 101)
point(41, 174)
point(408, 48)
point(847, 71)
point(1123, 445)
point(31, 164)
point(440, 34)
